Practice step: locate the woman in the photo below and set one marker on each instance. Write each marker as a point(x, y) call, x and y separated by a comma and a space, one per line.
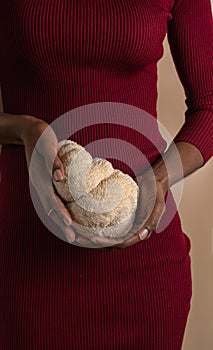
point(59, 55)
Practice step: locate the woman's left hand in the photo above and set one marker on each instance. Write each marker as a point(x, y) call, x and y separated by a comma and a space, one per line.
point(151, 206)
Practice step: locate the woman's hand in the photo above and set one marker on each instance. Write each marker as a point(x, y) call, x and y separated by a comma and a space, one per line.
point(151, 206)
point(42, 169)
point(180, 160)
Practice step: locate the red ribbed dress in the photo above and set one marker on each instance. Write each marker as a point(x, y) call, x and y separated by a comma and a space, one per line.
point(56, 55)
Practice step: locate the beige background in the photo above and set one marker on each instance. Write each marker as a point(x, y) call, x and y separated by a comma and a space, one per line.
point(196, 210)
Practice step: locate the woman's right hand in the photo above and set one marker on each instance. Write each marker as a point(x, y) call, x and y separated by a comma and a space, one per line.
point(44, 166)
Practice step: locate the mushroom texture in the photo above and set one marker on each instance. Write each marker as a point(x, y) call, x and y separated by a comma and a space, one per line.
point(102, 200)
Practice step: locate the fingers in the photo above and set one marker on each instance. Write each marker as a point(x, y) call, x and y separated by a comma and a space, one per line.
point(42, 182)
point(47, 147)
point(96, 242)
point(103, 241)
point(61, 209)
point(84, 242)
point(58, 169)
point(56, 210)
point(67, 231)
point(45, 164)
point(151, 224)
point(125, 244)
point(143, 231)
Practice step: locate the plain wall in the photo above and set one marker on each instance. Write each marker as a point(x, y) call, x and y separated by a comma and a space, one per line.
point(196, 210)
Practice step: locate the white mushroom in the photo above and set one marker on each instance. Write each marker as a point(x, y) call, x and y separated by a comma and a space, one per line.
point(102, 200)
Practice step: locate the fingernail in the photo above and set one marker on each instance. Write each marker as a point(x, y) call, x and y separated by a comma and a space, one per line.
point(67, 221)
point(69, 235)
point(144, 233)
point(57, 175)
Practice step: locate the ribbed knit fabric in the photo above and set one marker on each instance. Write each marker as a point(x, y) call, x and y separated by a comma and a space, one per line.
point(57, 55)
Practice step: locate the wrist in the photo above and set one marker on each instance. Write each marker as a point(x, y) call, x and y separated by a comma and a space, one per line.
point(28, 126)
point(161, 174)
point(13, 126)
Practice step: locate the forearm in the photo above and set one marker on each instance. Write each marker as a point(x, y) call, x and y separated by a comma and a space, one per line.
point(191, 160)
point(12, 126)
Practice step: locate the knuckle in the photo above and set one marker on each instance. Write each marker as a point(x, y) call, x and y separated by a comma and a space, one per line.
point(153, 225)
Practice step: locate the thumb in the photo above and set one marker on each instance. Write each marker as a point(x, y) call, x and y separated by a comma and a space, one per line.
point(58, 169)
point(153, 221)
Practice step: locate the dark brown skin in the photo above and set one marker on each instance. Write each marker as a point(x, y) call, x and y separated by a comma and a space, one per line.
point(25, 130)
point(147, 218)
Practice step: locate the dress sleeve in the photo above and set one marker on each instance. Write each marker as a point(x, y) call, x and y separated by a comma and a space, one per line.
point(190, 37)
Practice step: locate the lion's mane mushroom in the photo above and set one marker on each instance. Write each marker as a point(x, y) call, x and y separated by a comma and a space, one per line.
point(101, 200)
